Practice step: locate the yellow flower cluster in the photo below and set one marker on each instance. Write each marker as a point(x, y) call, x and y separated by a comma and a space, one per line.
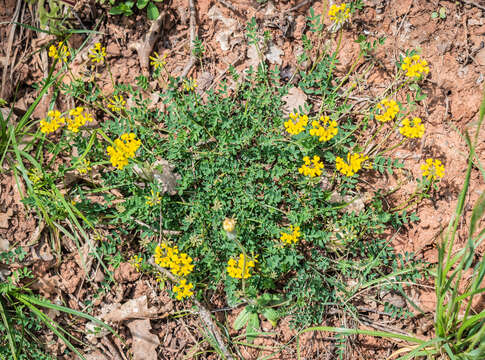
point(190, 84)
point(97, 53)
point(388, 110)
point(433, 169)
point(183, 290)
point(117, 103)
point(59, 52)
point(84, 167)
point(157, 61)
point(292, 237)
point(53, 122)
point(325, 129)
point(80, 117)
point(414, 66)
point(412, 129)
point(154, 199)
point(136, 261)
point(339, 13)
point(312, 167)
point(296, 123)
point(353, 164)
point(124, 149)
point(240, 269)
point(179, 264)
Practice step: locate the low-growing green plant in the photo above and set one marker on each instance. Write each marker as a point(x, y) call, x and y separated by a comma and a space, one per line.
point(125, 7)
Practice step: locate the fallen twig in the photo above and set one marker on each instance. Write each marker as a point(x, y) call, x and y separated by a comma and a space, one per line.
point(204, 314)
point(230, 7)
point(145, 48)
point(192, 59)
point(9, 46)
point(303, 3)
point(468, 2)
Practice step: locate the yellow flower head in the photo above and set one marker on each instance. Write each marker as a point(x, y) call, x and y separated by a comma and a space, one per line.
point(84, 167)
point(97, 53)
point(412, 129)
point(157, 61)
point(433, 169)
point(414, 66)
point(339, 13)
point(124, 148)
point(136, 261)
point(296, 123)
point(325, 129)
point(117, 103)
point(183, 289)
point(179, 264)
point(353, 164)
point(60, 51)
point(229, 224)
point(53, 122)
point(189, 84)
point(79, 118)
point(240, 269)
point(154, 199)
point(388, 110)
point(312, 167)
point(292, 237)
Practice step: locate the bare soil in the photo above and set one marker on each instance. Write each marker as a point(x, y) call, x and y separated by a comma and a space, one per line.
point(454, 47)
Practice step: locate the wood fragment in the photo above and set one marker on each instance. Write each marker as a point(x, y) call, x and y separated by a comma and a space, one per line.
point(468, 2)
point(192, 24)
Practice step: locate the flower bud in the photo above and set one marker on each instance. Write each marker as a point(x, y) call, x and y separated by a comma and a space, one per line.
point(229, 224)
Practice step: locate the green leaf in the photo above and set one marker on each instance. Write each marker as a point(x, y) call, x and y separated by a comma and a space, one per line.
point(477, 213)
point(252, 328)
point(272, 315)
point(443, 13)
point(140, 4)
point(152, 11)
point(434, 15)
point(241, 319)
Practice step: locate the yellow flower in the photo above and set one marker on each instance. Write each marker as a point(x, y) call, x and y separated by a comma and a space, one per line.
point(414, 66)
point(291, 237)
point(97, 53)
point(325, 129)
point(190, 84)
point(136, 261)
point(80, 117)
point(229, 224)
point(296, 124)
point(84, 167)
point(312, 167)
point(240, 269)
point(124, 148)
point(154, 199)
point(117, 103)
point(433, 169)
point(157, 61)
point(60, 52)
point(180, 264)
point(353, 164)
point(412, 129)
point(183, 290)
point(339, 14)
point(53, 122)
point(388, 110)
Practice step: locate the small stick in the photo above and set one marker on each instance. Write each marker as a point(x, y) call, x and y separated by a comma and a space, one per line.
point(303, 3)
point(204, 314)
point(192, 59)
point(468, 2)
point(9, 46)
point(230, 7)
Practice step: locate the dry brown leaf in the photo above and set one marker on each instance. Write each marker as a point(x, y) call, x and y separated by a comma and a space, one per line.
point(144, 342)
point(295, 98)
point(132, 309)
